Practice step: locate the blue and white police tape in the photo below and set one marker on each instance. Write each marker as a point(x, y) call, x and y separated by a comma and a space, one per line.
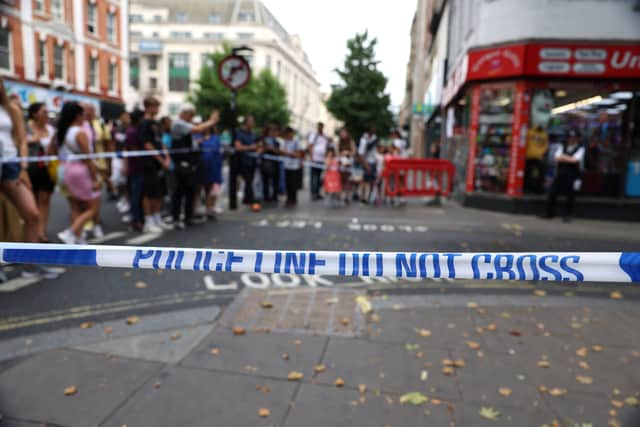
point(556, 266)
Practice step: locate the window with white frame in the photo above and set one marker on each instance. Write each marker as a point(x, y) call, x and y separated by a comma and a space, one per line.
point(57, 10)
point(214, 18)
point(214, 36)
point(5, 49)
point(157, 19)
point(58, 62)
point(38, 6)
point(153, 83)
point(180, 34)
point(92, 18)
point(43, 57)
point(135, 18)
point(111, 27)
point(182, 17)
point(206, 60)
point(113, 77)
point(93, 72)
point(246, 16)
point(152, 62)
point(267, 64)
point(245, 36)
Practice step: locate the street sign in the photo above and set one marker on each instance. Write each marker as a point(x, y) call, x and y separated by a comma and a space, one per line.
point(234, 72)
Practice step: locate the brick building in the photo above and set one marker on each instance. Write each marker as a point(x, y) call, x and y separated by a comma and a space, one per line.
point(57, 50)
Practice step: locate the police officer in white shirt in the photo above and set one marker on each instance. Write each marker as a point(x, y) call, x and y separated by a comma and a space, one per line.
point(318, 144)
point(569, 157)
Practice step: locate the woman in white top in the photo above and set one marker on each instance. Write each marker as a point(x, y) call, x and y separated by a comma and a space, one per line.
point(39, 135)
point(14, 179)
point(80, 175)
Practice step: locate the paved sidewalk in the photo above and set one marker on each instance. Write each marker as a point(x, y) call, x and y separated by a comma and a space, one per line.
point(472, 360)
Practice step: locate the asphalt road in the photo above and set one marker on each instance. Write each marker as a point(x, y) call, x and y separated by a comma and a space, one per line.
point(87, 294)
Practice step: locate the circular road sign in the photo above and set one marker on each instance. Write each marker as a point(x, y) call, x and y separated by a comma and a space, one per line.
point(234, 72)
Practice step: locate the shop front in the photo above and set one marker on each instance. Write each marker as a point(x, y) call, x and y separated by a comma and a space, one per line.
point(508, 107)
point(53, 99)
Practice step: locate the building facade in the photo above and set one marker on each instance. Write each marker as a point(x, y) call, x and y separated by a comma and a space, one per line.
point(57, 50)
point(504, 72)
point(171, 41)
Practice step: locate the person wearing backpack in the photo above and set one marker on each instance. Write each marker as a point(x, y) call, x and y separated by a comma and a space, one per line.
point(367, 150)
point(318, 144)
point(569, 157)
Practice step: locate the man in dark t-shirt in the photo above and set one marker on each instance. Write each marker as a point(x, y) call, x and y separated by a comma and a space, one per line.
point(246, 146)
point(154, 167)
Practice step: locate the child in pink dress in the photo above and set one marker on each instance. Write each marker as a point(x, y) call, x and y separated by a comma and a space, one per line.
point(332, 185)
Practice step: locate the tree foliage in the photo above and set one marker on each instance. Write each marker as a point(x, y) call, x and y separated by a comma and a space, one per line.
point(360, 99)
point(264, 97)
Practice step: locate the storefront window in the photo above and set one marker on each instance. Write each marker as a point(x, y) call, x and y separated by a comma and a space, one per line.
point(456, 147)
point(493, 146)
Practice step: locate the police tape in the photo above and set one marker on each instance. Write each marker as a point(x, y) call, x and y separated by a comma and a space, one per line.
point(538, 266)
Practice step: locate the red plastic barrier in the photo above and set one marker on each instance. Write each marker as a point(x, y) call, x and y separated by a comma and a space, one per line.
point(418, 177)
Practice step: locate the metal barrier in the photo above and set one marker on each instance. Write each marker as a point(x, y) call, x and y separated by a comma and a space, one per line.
point(418, 177)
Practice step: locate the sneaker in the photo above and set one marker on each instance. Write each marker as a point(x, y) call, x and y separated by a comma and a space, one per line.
point(162, 225)
point(123, 206)
point(97, 232)
point(67, 237)
point(151, 227)
point(126, 218)
point(179, 225)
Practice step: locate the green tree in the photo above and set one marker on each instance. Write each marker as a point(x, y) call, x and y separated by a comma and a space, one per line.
point(360, 99)
point(264, 96)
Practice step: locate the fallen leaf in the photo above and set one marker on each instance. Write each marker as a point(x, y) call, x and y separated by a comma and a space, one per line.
point(544, 364)
point(472, 304)
point(479, 329)
point(215, 351)
point(266, 304)
point(616, 295)
point(569, 294)
point(515, 333)
point(480, 353)
point(364, 304)
point(448, 371)
point(504, 391)
point(414, 398)
point(362, 388)
point(448, 362)
point(557, 391)
point(492, 327)
point(411, 347)
point(339, 382)
point(141, 285)
point(542, 389)
point(157, 385)
point(481, 310)
point(263, 389)
point(613, 422)
point(459, 363)
point(132, 320)
point(424, 332)
point(319, 368)
point(473, 345)
point(576, 325)
point(419, 355)
point(264, 412)
point(86, 325)
point(583, 364)
point(70, 391)
point(539, 293)
point(424, 375)
point(505, 315)
point(617, 404)
point(345, 321)
point(612, 413)
point(295, 376)
point(582, 351)
point(238, 330)
point(489, 413)
point(616, 392)
point(108, 330)
point(285, 356)
point(298, 342)
point(597, 348)
point(632, 401)
point(583, 379)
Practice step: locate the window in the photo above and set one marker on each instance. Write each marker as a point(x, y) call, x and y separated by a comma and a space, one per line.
point(245, 36)
point(113, 77)
point(214, 18)
point(155, 34)
point(93, 73)
point(5, 49)
point(249, 59)
point(153, 83)
point(173, 108)
point(92, 19)
point(111, 27)
point(180, 34)
point(57, 10)
point(153, 63)
point(135, 18)
point(134, 72)
point(267, 63)
point(278, 66)
point(182, 17)
point(136, 34)
point(39, 6)
point(213, 36)
point(43, 57)
point(157, 18)
point(246, 17)
point(58, 62)
point(179, 72)
point(207, 60)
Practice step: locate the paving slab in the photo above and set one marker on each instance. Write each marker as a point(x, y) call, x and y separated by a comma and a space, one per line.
point(34, 389)
point(533, 414)
point(317, 405)
point(268, 354)
point(168, 346)
point(387, 367)
point(190, 397)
